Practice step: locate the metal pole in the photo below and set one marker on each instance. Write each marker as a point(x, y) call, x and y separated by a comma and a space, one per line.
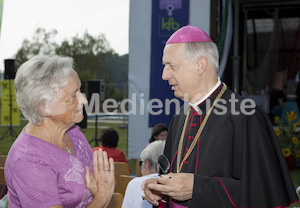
point(96, 131)
point(236, 57)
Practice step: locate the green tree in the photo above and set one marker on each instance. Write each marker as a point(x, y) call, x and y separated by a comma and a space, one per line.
point(42, 43)
point(93, 57)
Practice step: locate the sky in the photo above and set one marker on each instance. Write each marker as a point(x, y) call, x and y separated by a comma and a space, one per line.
point(21, 18)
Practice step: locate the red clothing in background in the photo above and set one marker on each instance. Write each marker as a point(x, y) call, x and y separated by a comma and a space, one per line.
point(115, 153)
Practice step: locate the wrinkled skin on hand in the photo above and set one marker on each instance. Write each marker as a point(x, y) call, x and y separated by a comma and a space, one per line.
point(178, 186)
point(102, 182)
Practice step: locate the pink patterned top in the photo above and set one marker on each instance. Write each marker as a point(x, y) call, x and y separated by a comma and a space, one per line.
point(39, 174)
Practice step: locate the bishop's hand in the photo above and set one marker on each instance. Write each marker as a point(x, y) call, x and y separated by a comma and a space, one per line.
point(178, 186)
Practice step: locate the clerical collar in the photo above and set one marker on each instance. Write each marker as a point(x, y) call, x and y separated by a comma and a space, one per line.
point(195, 105)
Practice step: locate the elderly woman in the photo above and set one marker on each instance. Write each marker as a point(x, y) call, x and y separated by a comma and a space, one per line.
point(50, 163)
point(149, 159)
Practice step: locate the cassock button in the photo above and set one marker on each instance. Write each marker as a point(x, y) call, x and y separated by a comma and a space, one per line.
point(193, 125)
point(191, 137)
point(185, 162)
point(187, 149)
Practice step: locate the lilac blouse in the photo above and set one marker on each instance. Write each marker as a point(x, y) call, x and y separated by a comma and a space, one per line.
point(39, 174)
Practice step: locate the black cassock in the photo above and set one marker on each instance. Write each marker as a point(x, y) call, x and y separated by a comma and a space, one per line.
point(237, 161)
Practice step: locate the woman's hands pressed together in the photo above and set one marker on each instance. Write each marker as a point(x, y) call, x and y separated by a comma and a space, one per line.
point(101, 183)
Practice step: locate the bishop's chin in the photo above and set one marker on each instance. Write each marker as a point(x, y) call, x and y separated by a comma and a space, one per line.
point(179, 95)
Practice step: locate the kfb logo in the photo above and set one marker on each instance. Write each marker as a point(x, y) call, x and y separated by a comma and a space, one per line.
point(170, 24)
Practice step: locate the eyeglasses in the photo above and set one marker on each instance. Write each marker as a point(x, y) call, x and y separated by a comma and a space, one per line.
point(141, 163)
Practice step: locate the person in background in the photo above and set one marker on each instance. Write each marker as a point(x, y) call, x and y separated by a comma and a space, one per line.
point(51, 163)
point(159, 132)
point(298, 89)
point(223, 152)
point(148, 161)
point(109, 139)
point(278, 94)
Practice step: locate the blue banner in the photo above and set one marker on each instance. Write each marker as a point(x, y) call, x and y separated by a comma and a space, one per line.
point(167, 17)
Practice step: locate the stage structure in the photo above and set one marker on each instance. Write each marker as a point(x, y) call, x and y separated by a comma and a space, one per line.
point(10, 114)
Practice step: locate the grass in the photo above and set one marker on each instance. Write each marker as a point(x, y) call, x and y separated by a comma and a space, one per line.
point(7, 141)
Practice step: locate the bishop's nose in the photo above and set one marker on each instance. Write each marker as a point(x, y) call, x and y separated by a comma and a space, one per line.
point(166, 75)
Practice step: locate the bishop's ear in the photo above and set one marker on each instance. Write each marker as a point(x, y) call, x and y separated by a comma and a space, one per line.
point(202, 65)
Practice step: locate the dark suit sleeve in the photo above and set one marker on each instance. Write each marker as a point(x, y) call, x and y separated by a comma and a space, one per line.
point(212, 192)
point(264, 178)
point(265, 181)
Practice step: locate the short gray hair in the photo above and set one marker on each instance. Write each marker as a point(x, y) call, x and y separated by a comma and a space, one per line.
point(37, 83)
point(209, 50)
point(152, 152)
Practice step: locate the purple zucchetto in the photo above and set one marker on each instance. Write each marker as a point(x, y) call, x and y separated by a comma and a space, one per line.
point(189, 34)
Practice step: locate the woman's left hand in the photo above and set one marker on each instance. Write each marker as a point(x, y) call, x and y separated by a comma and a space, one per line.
point(102, 182)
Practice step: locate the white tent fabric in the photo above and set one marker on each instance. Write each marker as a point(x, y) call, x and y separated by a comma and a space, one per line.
point(139, 74)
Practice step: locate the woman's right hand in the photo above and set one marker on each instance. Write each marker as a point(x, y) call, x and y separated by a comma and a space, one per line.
point(102, 182)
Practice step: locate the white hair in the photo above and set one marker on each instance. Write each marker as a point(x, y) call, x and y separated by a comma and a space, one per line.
point(37, 83)
point(152, 152)
point(209, 50)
